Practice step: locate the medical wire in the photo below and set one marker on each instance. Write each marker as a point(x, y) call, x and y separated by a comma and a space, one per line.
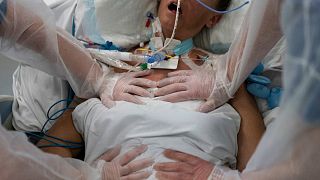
point(222, 12)
point(74, 145)
point(64, 146)
point(48, 112)
point(62, 139)
point(174, 29)
point(50, 118)
point(40, 137)
point(77, 145)
point(43, 134)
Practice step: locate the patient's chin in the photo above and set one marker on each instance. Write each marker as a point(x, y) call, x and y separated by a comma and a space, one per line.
point(178, 35)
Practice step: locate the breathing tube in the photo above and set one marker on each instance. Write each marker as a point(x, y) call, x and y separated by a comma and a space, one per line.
point(174, 29)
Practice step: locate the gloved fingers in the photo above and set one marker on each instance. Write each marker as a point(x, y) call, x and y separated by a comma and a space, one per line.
point(173, 175)
point(169, 89)
point(111, 170)
point(137, 176)
point(111, 153)
point(142, 82)
point(207, 106)
point(141, 73)
point(132, 154)
point(139, 91)
point(176, 97)
point(130, 98)
point(180, 73)
point(135, 166)
point(172, 80)
point(107, 101)
point(173, 167)
point(181, 157)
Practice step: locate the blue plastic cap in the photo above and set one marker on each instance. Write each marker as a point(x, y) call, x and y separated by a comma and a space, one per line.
point(258, 90)
point(109, 46)
point(258, 70)
point(274, 98)
point(151, 59)
point(259, 79)
point(156, 58)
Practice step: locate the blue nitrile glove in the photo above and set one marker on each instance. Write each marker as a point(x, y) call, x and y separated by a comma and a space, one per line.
point(274, 98)
point(259, 86)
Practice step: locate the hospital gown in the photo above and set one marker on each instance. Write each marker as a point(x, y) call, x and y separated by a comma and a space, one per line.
point(160, 125)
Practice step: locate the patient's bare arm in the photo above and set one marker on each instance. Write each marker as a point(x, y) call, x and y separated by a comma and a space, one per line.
point(251, 127)
point(65, 130)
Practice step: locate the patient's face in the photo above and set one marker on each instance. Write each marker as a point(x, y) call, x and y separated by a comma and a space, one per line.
point(192, 19)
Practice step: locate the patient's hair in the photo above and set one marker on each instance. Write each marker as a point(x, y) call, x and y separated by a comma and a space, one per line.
point(223, 5)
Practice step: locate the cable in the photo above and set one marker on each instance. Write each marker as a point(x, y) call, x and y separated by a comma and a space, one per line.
point(53, 119)
point(60, 101)
point(59, 145)
point(174, 29)
point(56, 144)
point(44, 136)
point(66, 141)
point(41, 137)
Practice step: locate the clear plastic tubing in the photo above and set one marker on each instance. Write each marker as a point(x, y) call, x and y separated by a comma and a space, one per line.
point(123, 56)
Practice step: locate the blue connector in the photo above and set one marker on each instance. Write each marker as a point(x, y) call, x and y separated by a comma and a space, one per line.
point(156, 58)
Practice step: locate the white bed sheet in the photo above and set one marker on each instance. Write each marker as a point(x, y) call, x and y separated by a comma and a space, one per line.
point(160, 125)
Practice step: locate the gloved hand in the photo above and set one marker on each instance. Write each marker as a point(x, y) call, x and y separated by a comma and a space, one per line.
point(187, 167)
point(115, 167)
point(188, 85)
point(126, 87)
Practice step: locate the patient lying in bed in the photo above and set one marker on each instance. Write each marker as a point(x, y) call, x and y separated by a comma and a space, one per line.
point(160, 125)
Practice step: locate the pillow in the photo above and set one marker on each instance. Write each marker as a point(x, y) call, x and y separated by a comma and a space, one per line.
point(218, 39)
point(119, 21)
point(63, 11)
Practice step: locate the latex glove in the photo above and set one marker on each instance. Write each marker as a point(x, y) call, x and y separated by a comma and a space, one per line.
point(187, 167)
point(126, 87)
point(115, 167)
point(187, 85)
